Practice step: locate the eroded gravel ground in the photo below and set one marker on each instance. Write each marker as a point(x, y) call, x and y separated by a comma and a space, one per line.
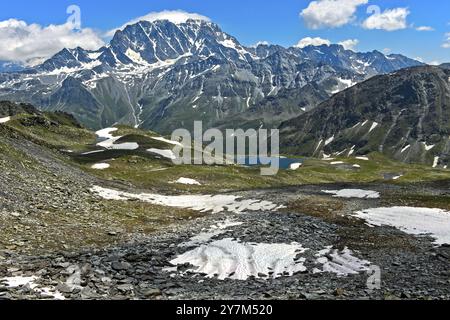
point(411, 267)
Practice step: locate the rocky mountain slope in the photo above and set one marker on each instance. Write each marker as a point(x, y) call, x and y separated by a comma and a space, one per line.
point(405, 115)
point(163, 75)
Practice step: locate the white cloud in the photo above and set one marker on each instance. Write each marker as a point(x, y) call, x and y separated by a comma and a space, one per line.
point(26, 43)
point(174, 16)
point(264, 43)
point(308, 41)
point(349, 44)
point(389, 20)
point(425, 28)
point(434, 63)
point(446, 43)
point(330, 13)
point(387, 50)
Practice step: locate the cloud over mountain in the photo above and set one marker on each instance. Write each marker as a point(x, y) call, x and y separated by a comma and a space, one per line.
point(29, 43)
point(330, 13)
point(308, 41)
point(174, 16)
point(349, 44)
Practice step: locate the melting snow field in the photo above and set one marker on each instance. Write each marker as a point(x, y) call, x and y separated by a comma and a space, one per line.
point(188, 181)
point(353, 193)
point(20, 281)
point(214, 231)
point(101, 166)
point(110, 141)
point(106, 133)
point(202, 203)
point(342, 263)
point(415, 221)
point(229, 258)
point(4, 120)
point(233, 259)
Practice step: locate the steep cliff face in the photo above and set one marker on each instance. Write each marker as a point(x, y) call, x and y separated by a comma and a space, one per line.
point(405, 115)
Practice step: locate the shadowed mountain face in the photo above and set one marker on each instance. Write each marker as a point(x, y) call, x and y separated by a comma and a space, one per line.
point(405, 115)
point(163, 76)
point(8, 109)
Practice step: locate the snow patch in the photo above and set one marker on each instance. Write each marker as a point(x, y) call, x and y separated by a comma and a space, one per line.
point(406, 148)
point(202, 203)
point(342, 263)
point(135, 57)
point(101, 166)
point(343, 84)
point(106, 133)
point(318, 145)
point(328, 141)
point(92, 152)
point(233, 259)
point(214, 231)
point(5, 120)
point(373, 127)
point(21, 281)
point(110, 140)
point(188, 181)
point(435, 162)
point(352, 151)
point(353, 193)
point(66, 70)
point(415, 221)
point(295, 166)
point(428, 147)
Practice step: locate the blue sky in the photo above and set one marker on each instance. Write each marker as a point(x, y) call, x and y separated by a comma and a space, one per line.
point(250, 21)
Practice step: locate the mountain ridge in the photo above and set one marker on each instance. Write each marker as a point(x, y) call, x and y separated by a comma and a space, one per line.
point(404, 115)
point(161, 76)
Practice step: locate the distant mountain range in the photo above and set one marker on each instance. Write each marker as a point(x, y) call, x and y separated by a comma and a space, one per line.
point(161, 76)
point(6, 66)
point(405, 115)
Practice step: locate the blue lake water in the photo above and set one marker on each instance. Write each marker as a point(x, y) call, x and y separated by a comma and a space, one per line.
point(285, 163)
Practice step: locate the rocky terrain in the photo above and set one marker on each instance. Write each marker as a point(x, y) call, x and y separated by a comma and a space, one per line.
point(411, 267)
point(404, 115)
